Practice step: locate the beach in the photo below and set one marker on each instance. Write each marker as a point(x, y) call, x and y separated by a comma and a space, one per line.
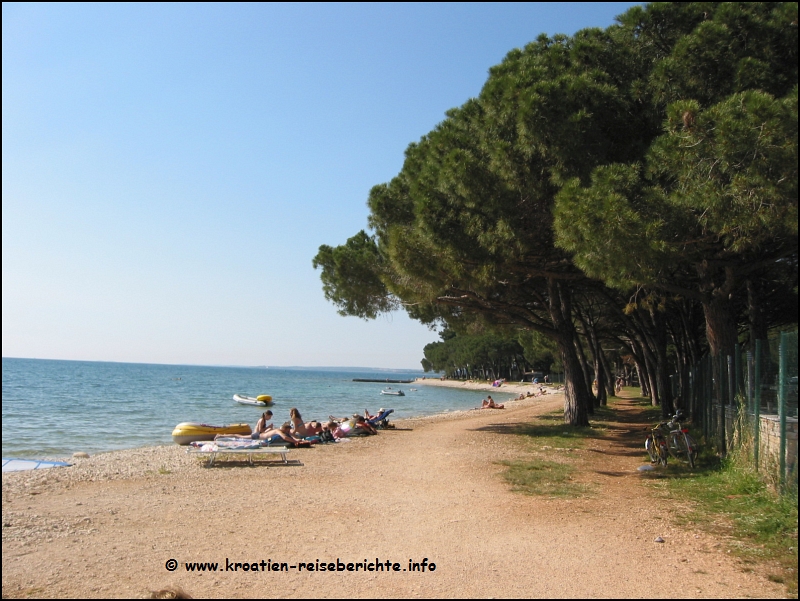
point(428, 493)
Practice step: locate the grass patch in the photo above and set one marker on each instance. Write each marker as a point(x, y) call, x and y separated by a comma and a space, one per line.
point(551, 431)
point(763, 523)
point(163, 470)
point(544, 478)
point(648, 412)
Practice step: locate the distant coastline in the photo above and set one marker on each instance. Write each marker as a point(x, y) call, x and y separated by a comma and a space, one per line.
point(231, 366)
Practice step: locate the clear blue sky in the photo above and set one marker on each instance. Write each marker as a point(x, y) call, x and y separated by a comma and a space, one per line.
point(170, 170)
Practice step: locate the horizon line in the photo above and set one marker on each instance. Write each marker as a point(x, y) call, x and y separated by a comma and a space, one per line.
point(324, 367)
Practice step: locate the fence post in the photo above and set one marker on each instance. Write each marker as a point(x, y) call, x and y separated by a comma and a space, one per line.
point(723, 447)
point(709, 396)
point(782, 405)
point(737, 358)
point(757, 403)
point(732, 398)
point(749, 360)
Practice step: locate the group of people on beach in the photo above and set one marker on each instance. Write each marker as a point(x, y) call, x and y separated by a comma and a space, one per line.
point(489, 402)
point(522, 396)
point(298, 432)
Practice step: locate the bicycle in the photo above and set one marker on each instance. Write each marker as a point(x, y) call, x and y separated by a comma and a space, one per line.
point(681, 444)
point(656, 445)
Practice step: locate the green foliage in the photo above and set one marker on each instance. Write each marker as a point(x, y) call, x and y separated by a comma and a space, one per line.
point(351, 277)
point(540, 352)
point(733, 169)
point(712, 201)
point(472, 352)
point(722, 178)
point(658, 156)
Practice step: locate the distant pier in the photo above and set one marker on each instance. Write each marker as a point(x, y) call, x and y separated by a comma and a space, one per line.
point(386, 381)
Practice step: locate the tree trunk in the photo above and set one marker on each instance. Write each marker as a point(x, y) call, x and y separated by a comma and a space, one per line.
point(662, 365)
point(641, 375)
point(587, 376)
point(576, 397)
point(602, 399)
point(755, 315)
point(610, 379)
point(720, 321)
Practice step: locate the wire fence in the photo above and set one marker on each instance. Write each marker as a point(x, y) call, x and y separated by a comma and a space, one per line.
point(747, 403)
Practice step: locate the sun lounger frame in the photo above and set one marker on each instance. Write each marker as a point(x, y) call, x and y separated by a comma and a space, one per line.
point(212, 455)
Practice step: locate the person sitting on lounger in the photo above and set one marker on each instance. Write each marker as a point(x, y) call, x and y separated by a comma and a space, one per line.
point(299, 428)
point(488, 403)
point(380, 419)
point(264, 424)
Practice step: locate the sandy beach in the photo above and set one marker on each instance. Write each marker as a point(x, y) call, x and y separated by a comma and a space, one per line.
point(429, 492)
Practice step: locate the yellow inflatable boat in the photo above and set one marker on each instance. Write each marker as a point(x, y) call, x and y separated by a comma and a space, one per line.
point(187, 432)
point(262, 400)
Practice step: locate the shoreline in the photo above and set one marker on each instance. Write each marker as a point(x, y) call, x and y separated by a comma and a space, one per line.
point(509, 387)
point(122, 464)
point(431, 488)
point(512, 389)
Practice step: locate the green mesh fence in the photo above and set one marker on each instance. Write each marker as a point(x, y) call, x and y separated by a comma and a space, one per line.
point(747, 403)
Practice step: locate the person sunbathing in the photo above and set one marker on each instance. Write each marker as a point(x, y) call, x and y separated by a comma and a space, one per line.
point(363, 425)
point(326, 434)
point(488, 403)
point(282, 434)
point(314, 428)
point(341, 429)
point(273, 435)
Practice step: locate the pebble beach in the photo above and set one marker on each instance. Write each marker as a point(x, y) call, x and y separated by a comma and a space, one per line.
point(432, 489)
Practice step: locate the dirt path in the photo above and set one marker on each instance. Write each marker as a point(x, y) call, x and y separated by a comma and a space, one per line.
point(430, 490)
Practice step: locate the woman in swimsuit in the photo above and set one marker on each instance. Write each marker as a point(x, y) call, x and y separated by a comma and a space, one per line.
point(488, 403)
point(264, 424)
point(301, 429)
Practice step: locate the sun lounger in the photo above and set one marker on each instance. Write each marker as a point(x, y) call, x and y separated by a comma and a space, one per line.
point(379, 421)
point(212, 452)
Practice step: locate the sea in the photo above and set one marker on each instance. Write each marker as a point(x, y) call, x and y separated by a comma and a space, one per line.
point(55, 408)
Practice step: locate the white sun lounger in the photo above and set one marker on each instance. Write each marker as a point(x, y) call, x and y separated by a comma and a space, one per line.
point(212, 455)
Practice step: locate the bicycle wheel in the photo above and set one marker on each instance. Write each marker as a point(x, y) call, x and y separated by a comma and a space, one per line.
point(650, 446)
point(674, 446)
point(691, 449)
point(663, 453)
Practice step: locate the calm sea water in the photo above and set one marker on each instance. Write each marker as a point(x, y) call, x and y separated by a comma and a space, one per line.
point(54, 408)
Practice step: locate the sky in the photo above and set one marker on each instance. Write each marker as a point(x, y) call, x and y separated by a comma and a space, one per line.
point(170, 170)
